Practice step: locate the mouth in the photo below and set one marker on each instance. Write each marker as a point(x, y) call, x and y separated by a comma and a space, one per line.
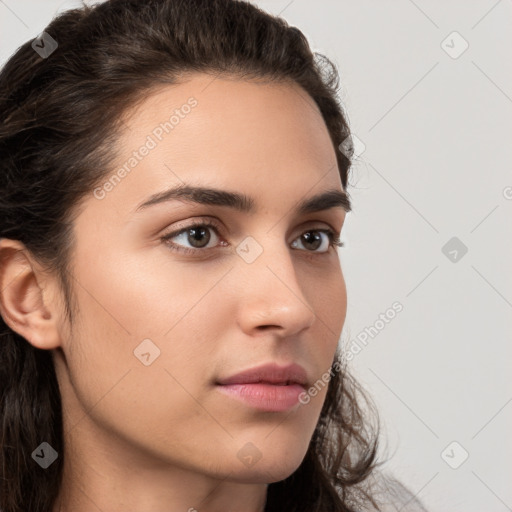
point(264, 396)
point(269, 388)
point(269, 373)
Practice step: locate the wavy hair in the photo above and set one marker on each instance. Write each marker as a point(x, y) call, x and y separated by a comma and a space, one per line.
point(60, 118)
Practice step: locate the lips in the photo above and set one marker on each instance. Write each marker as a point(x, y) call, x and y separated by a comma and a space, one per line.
point(268, 388)
point(269, 374)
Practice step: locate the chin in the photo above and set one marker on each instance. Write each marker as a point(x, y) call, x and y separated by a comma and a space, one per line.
point(269, 469)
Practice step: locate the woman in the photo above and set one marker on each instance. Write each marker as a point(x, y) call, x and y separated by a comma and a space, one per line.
point(172, 197)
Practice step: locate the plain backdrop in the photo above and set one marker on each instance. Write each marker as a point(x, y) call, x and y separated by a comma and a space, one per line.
point(427, 91)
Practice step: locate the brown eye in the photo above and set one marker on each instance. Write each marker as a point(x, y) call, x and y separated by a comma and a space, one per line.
point(312, 240)
point(192, 238)
point(198, 237)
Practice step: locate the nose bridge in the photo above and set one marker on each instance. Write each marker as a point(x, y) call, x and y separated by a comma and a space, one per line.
point(273, 294)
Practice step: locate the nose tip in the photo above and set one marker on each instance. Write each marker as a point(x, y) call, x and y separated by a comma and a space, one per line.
point(275, 317)
point(275, 301)
point(288, 320)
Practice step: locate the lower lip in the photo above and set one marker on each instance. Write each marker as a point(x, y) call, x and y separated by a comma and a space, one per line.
point(265, 397)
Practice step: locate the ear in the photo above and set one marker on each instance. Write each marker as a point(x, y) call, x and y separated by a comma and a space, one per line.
point(23, 290)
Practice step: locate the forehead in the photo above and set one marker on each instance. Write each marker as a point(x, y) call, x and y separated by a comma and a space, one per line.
point(267, 139)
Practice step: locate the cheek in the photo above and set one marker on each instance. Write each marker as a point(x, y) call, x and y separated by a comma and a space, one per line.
point(138, 296)
point(129, 307)
point(330, 306)
point(150, 397)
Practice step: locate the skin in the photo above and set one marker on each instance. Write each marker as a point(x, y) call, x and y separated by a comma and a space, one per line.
point(162, 437)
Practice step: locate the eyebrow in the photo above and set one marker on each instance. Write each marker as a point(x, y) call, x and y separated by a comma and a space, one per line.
point(328, 199)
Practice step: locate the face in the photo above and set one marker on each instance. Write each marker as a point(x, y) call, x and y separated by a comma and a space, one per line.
point(168, 311)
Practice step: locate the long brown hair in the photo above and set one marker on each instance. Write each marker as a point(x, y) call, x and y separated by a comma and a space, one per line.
point(60, 117)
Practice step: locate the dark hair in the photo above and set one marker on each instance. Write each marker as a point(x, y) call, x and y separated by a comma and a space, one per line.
point(60, 119)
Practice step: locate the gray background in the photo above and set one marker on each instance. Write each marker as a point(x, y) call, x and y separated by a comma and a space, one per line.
point(436, 127)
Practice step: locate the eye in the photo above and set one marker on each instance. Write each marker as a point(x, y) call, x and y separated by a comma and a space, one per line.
point(312, 240)
point(198, 236)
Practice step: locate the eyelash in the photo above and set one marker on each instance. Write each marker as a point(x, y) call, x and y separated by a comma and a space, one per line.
point(333, 239)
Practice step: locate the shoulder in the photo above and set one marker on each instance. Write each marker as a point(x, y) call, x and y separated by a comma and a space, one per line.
point(387, 494)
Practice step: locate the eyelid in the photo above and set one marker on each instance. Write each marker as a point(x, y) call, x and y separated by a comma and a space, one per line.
point(192, 224)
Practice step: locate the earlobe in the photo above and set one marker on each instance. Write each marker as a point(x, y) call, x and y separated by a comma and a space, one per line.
point(22, 305)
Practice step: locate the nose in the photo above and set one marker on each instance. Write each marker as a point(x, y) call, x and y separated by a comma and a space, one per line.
point(271, 295)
